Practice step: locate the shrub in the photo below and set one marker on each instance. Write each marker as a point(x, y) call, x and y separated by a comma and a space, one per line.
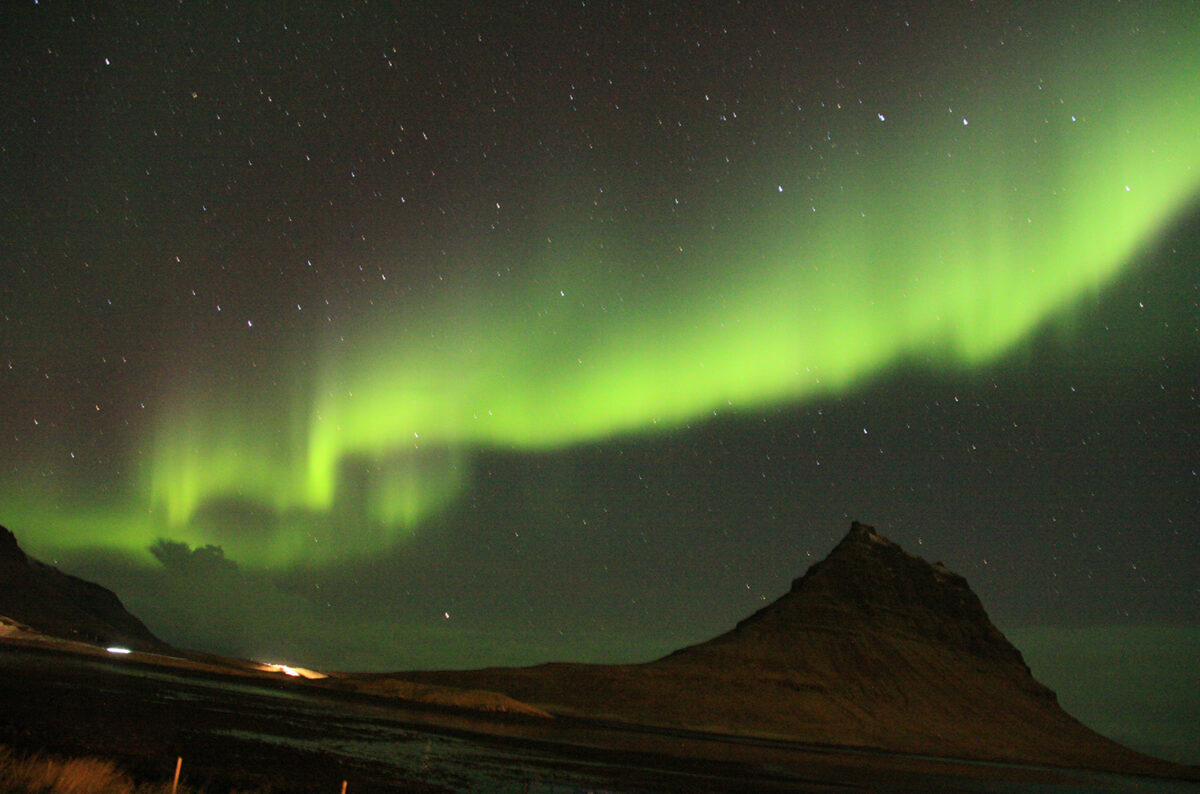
point(37, 774)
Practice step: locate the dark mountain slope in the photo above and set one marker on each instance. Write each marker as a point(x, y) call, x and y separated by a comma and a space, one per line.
point(52, 602)
point(872, 647)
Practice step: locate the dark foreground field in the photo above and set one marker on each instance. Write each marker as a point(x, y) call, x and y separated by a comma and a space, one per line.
point(259, 735)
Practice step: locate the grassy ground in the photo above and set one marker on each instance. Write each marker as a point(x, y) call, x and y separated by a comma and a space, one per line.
point(45, 773)
point(48, 774)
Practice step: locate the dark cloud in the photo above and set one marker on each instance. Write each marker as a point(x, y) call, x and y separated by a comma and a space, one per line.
point(179, 557)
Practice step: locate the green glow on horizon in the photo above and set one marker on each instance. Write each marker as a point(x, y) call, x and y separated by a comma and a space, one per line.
point(946, 243)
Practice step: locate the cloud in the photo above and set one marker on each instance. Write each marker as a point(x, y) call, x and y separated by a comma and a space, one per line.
point(179, 557)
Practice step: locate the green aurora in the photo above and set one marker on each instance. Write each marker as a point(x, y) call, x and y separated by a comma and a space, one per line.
point(930, 241)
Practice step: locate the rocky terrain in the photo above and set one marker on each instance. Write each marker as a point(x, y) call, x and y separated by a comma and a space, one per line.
point(50, 602)
point(872, 648)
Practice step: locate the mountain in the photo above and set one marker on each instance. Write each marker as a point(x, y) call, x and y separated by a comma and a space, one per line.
point(51, 602)
point(871, 648)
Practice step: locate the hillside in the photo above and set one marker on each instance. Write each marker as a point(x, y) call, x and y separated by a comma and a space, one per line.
point(871, 648)
point(54, 603)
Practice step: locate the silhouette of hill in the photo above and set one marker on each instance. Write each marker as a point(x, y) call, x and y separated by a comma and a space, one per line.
point(871, 648)
point(54, 603)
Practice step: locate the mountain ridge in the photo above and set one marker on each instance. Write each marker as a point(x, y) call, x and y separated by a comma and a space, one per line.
point(945, 592)
point(872, 648)
point(54, 603)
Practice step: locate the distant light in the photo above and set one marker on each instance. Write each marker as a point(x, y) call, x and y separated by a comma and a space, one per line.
point(116, 649)
point(287, 669)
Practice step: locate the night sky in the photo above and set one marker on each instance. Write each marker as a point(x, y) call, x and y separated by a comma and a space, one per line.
point(381, 336)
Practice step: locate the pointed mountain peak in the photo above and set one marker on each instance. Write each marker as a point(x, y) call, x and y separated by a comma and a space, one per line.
point(865, 533)
point(871, 586)
point(861, 531)
point(872, 647)
point(870, 560)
